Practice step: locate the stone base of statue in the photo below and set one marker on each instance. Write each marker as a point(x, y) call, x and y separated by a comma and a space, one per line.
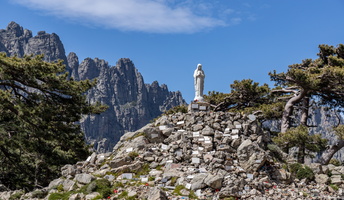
point(199, 99)
point(197, 106)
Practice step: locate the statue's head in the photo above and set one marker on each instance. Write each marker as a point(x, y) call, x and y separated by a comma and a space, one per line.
point(199, 66)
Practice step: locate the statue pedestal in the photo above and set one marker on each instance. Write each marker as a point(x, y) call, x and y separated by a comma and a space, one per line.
point(199, 106)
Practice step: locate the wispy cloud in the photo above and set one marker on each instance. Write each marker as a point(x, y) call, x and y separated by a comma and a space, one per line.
point(153, 16)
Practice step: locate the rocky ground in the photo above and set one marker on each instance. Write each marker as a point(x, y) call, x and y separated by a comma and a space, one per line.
point(201, 155)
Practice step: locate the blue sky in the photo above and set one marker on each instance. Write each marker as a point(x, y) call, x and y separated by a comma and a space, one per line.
point(166, 39)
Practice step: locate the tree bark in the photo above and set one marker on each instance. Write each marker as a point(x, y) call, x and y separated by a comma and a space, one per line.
point(304, 112)
point(328, 153)
point(288, 109)
point(301, 154)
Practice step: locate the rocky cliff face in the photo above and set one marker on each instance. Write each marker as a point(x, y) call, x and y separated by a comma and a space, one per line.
point(14, 40)
point(132, 103)
point(324, 122)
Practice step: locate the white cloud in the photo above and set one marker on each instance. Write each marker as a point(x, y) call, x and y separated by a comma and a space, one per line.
point(153, 16)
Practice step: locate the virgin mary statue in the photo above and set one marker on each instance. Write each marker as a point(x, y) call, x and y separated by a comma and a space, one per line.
point(199, 83)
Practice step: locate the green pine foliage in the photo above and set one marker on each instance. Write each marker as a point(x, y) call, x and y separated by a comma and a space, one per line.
point(299, 137)
point(39, 106)
point(248, 97)
point(301, 171)
point(177, 109)
point(339, 131)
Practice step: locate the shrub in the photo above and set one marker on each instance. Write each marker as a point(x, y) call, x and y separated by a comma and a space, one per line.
point(177, 109)
point(334, 187)
point(60, 188)
point(124, 194)
point(144, 170)
point(174, 180)
point(133, 154)
point(178, 188)
point(335, 162)
point(293, 168)
point(16, 195)
point(301, 171)
point(59, 196)
point(103, 186)
point(305, 172)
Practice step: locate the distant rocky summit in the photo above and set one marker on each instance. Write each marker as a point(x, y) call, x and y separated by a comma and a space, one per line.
point(201, 155)
point(132, 103)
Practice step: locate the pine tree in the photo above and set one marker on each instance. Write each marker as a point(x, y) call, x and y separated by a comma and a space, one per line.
point(39, 106)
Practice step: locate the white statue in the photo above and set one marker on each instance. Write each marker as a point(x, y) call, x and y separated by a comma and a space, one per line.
point(199, 83)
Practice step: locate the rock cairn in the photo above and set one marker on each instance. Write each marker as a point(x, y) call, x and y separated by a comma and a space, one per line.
point(201, 155)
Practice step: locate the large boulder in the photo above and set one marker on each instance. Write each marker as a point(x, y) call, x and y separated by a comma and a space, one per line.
point(214, 182)
point(251, 157)
point(84, 178)
point(198, 181)
point(321, 178)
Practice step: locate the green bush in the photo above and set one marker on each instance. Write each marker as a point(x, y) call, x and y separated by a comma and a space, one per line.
point(133, 154)
point(60, 188)
point(293, 168)
point(301, 171)
point(177, 109)
point(305, 172)
point(144, 170)
point(335, 162)
point(16, 195)
point(124, 194)
point(174, 180)
point(178, 188)
point(334, 187)
point(103, 186)
point(59, 196)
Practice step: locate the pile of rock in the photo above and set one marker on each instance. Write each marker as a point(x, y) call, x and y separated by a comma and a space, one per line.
point(202, 155)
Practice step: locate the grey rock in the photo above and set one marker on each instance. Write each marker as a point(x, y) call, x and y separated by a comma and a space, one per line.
point(198, 181)
point(68, 185)
point(197, 127)
point(207, 131)
point(84, 178)
point(131, 167)
point(91, 196)
point(153, 134)
point(336, 179)
point(167, 132)
point(55, 183)
point(156, 194)
point(316, 168)
point(321, 178)
point(214, 182)
point(251, 156)
point(78, 196)
point(120, 162)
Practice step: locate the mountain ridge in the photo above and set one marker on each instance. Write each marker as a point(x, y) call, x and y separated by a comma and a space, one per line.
point(132, 102)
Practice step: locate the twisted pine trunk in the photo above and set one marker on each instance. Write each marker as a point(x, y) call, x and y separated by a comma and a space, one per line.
point(288, 109)
point(328, 153)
